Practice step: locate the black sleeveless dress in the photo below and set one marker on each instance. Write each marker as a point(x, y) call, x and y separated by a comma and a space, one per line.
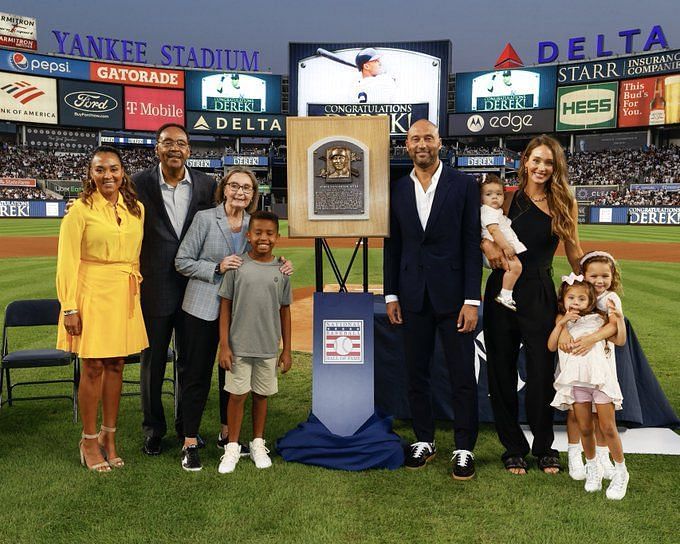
point(531, 325)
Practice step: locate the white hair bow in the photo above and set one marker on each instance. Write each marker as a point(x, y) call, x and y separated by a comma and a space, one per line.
point(571, 278)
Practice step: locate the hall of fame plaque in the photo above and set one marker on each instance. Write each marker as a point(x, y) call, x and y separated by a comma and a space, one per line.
point(338, 179)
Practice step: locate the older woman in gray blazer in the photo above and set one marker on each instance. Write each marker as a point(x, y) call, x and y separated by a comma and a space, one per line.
point(211, 246)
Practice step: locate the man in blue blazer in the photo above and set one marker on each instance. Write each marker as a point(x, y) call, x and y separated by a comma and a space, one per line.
point(432, 276)
point(172, 194)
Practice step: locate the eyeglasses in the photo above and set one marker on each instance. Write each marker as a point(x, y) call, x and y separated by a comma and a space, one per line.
point(167, 144)
point(234, 188)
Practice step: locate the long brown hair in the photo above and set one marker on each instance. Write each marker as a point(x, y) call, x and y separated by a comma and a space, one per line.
point(613, 266)
point(219, 192)
point(560, 198)
point(127, 188)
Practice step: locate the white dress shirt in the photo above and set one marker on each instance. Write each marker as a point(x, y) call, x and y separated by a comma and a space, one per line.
point(424, 200)
point(176, 199)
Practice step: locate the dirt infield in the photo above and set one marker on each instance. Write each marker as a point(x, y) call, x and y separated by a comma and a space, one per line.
point(46, 246)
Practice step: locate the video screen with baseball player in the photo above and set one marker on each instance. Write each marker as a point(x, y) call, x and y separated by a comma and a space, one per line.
point(233, 92)
point(501, 90)
point(370, 79)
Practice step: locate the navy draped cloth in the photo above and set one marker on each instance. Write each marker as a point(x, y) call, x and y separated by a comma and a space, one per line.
point(373, 445)
point(644, 402)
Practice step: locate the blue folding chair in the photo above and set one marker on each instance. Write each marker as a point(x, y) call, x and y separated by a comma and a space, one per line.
point(35, 313)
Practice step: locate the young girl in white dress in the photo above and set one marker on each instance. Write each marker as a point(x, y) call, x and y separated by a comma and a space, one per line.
point(588, 377)
point(599, 269)
point(497, 228)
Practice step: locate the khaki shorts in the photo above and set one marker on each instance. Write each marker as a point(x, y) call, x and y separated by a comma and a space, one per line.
point(252, 374)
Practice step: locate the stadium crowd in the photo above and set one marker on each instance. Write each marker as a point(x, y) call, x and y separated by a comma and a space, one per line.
point(625, 166)
point(27, 162)
point(610, 167)
point(22, 193)
point(639, 198)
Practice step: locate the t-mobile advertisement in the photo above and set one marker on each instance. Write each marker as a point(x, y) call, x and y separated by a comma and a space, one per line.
point(148, 109)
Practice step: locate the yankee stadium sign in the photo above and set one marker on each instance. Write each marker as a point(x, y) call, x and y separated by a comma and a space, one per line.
point(117, 49)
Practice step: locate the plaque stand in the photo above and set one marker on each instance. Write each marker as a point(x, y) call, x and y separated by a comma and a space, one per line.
point(343, 431)
point(321, 246)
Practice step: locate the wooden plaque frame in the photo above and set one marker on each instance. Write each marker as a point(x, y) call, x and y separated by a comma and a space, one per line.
point(374, 133)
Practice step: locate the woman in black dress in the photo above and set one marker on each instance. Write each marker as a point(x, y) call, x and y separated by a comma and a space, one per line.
point(543, 212)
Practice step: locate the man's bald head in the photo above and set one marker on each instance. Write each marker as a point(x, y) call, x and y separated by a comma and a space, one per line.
point(423, 124)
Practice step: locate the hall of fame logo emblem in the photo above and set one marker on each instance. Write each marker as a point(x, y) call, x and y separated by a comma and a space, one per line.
point(343, 342)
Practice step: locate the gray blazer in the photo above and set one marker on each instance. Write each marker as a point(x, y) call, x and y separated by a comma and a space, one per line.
point(205, 244)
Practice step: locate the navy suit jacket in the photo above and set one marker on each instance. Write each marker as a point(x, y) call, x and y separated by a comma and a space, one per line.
point(163, 287)
point(445, 258)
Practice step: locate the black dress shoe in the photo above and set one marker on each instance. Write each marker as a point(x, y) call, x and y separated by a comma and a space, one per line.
point(152, 445)
point(463, 465)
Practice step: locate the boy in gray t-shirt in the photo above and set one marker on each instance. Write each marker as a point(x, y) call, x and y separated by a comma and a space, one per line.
point(254, 316)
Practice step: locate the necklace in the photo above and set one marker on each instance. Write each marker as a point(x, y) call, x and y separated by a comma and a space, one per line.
point(235, 224)
point(539, 199)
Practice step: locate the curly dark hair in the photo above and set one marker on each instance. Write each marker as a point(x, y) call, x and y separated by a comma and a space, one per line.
point(592, 298)
point(127, 188)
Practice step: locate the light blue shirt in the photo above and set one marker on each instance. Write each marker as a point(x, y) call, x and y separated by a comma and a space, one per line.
point(176, 199)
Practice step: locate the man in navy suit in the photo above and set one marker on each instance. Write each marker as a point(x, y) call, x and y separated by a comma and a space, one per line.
point(432, 275)
point(172, 194)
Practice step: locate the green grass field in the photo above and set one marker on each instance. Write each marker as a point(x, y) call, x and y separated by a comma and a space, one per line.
point(47, 497)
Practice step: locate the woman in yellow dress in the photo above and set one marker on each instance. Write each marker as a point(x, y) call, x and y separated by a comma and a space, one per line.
point(98, 288)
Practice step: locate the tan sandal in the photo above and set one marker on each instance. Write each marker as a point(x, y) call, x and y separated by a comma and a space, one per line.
point(99, 467)
point(115, 462)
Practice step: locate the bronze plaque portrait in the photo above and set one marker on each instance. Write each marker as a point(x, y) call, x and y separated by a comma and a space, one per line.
point(338, 180)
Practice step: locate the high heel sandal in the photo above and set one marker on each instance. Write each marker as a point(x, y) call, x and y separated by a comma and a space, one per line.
point(99, 467)
point(116, 462)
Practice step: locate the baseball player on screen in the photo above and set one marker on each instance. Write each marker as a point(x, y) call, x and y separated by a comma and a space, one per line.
point(374, 86)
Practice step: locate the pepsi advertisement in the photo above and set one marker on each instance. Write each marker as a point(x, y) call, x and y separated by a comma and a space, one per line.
point(85, 104)
point(41, 65)
point(506, 90)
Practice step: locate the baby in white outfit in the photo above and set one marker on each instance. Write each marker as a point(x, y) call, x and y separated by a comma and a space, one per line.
point(497, 228)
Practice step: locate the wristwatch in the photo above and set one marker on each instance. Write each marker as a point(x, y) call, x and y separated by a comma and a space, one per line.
point(217, 269)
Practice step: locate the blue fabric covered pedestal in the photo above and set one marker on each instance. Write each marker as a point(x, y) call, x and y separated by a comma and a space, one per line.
point(374, 445)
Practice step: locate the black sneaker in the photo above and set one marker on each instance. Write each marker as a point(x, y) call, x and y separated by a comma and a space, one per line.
point(190, 459)
point(419, 454)
point(222, 442)
point(463, 465)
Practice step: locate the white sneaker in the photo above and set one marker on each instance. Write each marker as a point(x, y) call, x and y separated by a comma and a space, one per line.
point(258, 453)
point(507, 302)
point(593, 476)
point(606, 466)
point(577, 470)
point(618, 486)
point(232, 453)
